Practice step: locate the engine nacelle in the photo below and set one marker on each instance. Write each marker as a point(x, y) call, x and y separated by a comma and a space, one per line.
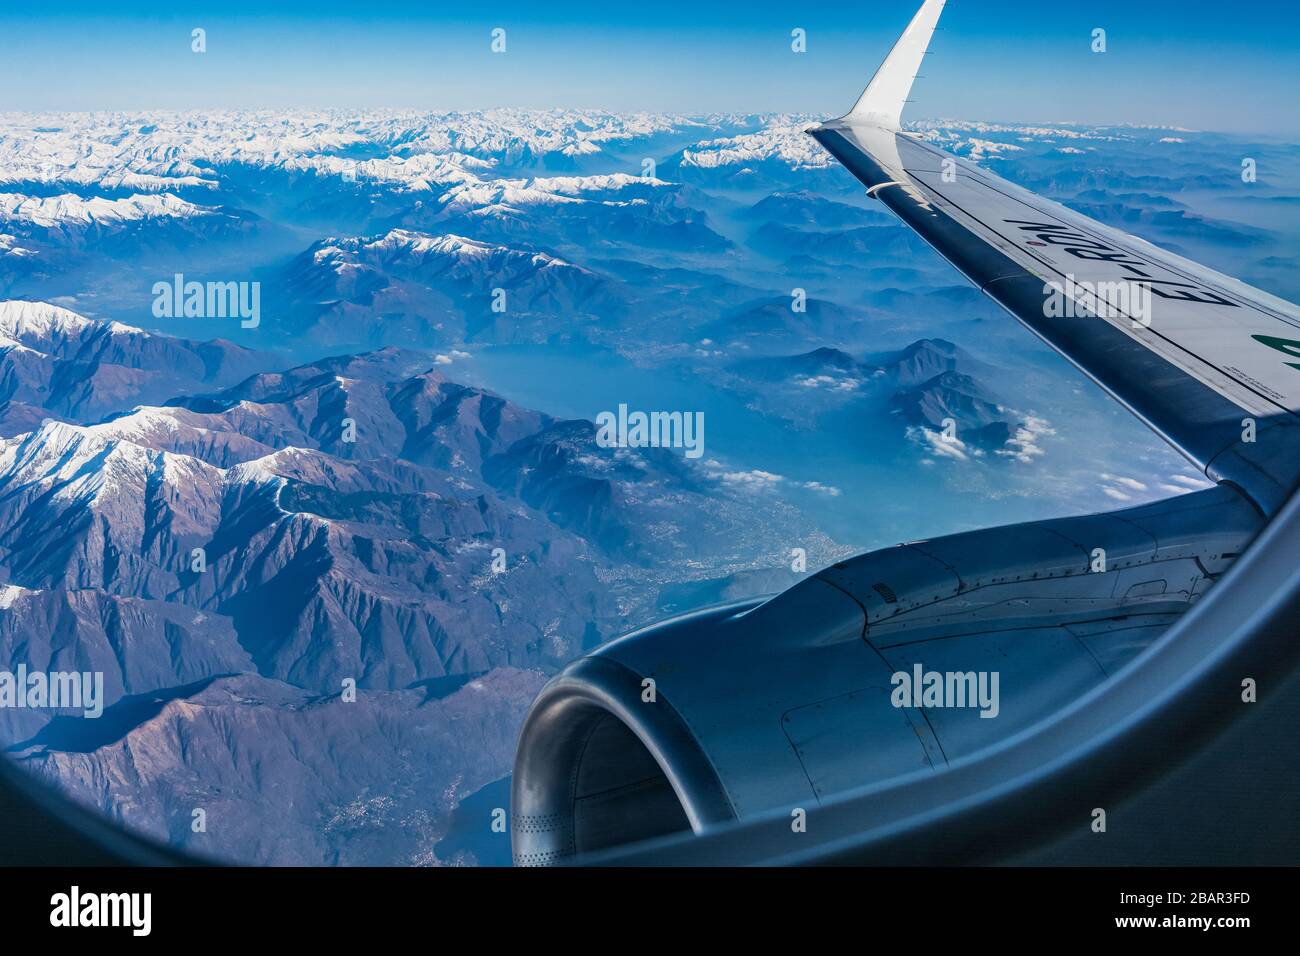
point(781, 703)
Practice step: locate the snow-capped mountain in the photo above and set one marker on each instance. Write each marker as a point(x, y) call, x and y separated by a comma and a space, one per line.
point(406, 286)
point(73, 214)
point(69, 221)
point(784, 143)
point(56, 363)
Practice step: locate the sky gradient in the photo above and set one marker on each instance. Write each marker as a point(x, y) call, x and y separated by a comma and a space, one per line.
point(1178, 62)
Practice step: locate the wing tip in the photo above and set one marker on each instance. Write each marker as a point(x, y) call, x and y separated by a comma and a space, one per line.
point(882, 102)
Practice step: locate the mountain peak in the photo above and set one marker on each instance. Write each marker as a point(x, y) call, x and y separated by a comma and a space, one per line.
point(86, 459)
point(39, 318)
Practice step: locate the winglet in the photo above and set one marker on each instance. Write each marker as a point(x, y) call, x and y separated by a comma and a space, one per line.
point(881, 104)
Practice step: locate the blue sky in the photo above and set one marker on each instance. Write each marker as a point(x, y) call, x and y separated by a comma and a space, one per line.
point(1207, 65)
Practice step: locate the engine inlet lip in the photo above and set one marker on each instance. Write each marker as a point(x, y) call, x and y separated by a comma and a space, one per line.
point(556, 724)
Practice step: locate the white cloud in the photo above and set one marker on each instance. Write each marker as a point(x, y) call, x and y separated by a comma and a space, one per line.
point(1023, 446)
point(830, 490)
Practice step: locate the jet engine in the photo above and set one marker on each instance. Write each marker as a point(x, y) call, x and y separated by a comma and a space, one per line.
point(730, 712)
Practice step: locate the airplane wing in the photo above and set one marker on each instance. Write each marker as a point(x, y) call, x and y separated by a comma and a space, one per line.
point(1208, 362)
